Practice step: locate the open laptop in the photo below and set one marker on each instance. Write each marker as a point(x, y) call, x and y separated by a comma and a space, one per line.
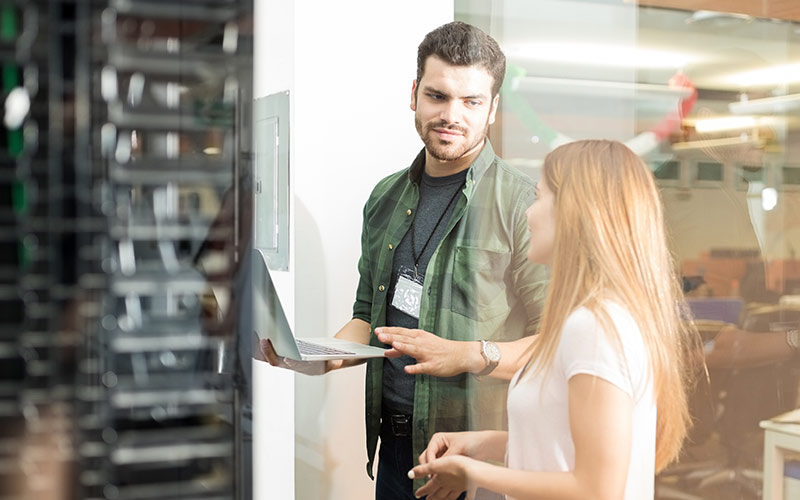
point(269, 322)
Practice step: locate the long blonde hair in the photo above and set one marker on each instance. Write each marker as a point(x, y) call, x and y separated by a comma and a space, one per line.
point(610, 242)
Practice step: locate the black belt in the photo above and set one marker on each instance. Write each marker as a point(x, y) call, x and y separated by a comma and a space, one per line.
point(398, 424)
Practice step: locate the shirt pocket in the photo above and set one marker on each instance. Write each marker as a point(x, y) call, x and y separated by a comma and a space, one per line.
point(479, 283)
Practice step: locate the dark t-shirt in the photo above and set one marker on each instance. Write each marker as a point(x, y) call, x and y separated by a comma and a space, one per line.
point(435, 193)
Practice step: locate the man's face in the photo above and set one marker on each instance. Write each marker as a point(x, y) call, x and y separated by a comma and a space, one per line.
point(453, 108)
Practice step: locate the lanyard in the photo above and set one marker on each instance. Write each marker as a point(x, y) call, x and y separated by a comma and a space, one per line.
point(413, 243)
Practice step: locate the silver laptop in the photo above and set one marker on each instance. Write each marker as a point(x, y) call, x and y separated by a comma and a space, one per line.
point(269, 322)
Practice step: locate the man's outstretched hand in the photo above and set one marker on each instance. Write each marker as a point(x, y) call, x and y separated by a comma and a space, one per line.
point(435, 355)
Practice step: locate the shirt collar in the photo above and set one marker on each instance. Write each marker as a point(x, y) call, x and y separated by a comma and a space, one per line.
point(474, 173)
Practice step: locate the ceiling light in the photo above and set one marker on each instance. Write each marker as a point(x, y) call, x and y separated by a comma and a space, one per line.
point(594, 54)
point(724, 123)
point(779, 104)
point(716, 143)
point(773, 75)
point(721, 123)
point(769, 199)
point(604, 88)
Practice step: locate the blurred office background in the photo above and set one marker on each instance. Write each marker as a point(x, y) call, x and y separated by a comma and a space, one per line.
point(143, 140)
point(727, 165)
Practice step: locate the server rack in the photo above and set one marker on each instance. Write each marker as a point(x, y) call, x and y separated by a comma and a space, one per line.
point(27, 299)
point(122, 190)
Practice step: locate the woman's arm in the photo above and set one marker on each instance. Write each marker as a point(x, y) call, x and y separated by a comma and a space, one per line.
point(480, 445)
point(601, 427)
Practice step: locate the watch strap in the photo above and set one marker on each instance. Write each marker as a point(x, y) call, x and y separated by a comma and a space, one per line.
point(490, 364)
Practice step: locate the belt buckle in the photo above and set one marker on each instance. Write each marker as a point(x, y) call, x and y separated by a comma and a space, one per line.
point(401, 425)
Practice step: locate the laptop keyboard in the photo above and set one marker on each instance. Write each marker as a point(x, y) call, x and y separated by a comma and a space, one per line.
point(310, 349)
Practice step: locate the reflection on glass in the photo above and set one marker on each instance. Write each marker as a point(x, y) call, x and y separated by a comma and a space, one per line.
point(709, 100)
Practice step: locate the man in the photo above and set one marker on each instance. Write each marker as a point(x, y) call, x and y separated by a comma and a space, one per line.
point(444, 247)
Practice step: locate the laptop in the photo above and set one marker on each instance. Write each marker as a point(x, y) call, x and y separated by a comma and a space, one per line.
point(269, 322)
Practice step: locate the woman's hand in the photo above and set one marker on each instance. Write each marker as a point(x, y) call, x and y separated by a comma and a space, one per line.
point(479, 445)
point(449, 476)
point(449, 459)
point(444, 444)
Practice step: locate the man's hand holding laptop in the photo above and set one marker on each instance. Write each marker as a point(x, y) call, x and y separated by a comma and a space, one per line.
point(305, 367)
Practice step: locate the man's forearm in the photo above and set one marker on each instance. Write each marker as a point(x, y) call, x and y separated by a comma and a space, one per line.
point(513, 357)
point(355, 330)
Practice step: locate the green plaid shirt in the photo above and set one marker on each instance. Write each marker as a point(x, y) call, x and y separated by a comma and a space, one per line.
point(478, 285)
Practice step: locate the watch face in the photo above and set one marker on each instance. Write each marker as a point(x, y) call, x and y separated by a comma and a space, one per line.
point(492, 351)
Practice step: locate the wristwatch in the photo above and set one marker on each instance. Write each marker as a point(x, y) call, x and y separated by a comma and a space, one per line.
point(793, 339)
point(491, 354)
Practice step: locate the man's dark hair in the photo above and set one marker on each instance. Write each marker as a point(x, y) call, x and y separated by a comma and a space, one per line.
point(462, 44)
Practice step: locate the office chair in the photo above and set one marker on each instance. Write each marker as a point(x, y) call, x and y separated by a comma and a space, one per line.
point(729, 409)
point(752, 395)
point(700, 458)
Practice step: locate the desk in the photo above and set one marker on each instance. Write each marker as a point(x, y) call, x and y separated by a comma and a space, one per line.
point(781, 434)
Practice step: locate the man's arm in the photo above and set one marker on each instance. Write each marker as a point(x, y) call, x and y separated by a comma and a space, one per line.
point(355, 330)
point(529, 280)
point(446, 358)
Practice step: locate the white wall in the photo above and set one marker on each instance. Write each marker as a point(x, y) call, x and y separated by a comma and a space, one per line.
point(273, 389)
point(349, 67)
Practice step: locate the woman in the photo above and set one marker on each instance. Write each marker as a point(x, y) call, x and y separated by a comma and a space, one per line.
point(600, 406)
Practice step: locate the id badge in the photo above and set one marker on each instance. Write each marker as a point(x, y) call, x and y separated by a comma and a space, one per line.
point(408, 293)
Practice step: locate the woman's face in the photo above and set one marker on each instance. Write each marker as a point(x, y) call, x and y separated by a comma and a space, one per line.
point(542, 225)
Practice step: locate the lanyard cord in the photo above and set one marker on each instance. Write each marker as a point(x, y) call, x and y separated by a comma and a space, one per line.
point(413, 243)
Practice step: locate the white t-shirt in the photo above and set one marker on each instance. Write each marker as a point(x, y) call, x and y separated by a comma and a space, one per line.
point(538, 407)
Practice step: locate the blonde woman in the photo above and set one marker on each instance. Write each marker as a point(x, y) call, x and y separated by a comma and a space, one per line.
point(599, 405)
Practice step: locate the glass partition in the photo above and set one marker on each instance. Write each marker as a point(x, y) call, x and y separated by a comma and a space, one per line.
point(710, 101)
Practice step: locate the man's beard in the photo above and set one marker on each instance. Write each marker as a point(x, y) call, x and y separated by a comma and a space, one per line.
point(446, 152)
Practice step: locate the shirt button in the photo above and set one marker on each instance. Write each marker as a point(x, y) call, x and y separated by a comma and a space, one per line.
point(381, 288)
point(390, 246)
point(408, 212)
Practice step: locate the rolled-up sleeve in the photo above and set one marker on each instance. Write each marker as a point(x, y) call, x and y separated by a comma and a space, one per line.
point(362, 308)
point(530, 280)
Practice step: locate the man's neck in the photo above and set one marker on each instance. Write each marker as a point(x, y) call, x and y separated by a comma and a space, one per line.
point(439, 168)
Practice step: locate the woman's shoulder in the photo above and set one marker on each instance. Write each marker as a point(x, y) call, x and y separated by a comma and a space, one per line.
point(618, 355)
point(585, 325)
point(581, 320)
point(584, 317)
